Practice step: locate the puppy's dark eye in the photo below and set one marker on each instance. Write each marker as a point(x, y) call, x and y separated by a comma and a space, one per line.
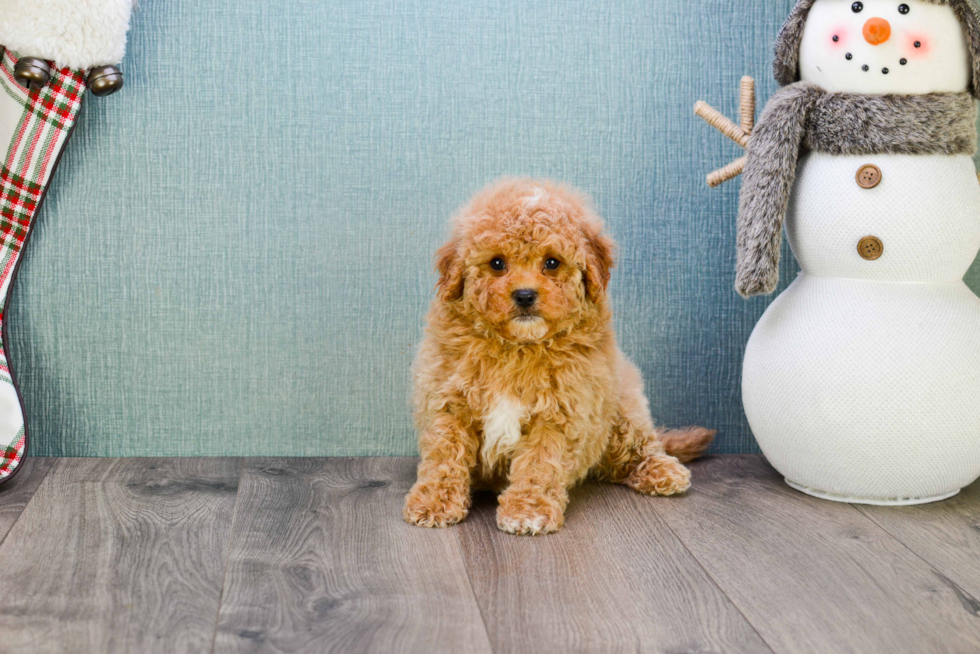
point(552, 264)
point(497, 264)
point(903, 9)
point(857, 7)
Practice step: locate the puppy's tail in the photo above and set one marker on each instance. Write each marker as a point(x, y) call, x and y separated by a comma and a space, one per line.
point(687, 443)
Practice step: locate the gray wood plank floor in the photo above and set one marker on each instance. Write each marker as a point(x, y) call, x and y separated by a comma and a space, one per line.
point(16, 493)
point(321, 562)
point(311, 555)
point(118, 555)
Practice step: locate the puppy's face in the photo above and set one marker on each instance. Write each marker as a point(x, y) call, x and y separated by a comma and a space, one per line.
point(527, 261)
point(524, 290)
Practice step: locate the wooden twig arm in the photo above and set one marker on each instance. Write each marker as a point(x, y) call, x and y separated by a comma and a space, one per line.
point(746, 104)
point(731, 171)
point(717, 120)
point(740, 134)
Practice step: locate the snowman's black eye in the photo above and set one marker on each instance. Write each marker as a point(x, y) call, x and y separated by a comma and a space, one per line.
point(903, 9)
point(857, 7)
point(848, 56)
point(497, 264)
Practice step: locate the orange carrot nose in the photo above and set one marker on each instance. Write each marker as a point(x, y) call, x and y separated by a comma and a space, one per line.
point(877, 31)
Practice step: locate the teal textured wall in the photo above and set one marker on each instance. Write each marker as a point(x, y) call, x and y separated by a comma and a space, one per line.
point(235, 256)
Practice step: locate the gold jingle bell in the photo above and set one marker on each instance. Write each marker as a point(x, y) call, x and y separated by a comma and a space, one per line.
point(32, 73)
point(105, 80)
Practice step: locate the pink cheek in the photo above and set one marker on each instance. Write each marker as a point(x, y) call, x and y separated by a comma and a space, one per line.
point(922, 51)
point(837, 37)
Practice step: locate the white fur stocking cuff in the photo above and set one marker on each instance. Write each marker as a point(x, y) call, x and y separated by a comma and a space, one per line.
point(78, 34)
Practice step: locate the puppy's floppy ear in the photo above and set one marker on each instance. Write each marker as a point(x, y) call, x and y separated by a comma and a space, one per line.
point(599, 260)
point(450, 266)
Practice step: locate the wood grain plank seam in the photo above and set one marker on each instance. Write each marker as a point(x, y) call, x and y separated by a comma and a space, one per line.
point(970, 604)
point(469, 582)
point(231, 545)
point(712, 579)
point(47, 476)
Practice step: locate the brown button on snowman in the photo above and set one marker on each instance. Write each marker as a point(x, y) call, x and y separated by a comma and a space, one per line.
point(861, 381)
point(868, 176)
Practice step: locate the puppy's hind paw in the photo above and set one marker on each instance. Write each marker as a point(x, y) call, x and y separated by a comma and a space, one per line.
point(660, 474)
point(426, 508)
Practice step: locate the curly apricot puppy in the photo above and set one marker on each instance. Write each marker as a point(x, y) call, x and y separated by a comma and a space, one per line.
point(519, 383)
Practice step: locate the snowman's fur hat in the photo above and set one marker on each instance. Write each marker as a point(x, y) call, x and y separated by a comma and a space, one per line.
point(786, 65)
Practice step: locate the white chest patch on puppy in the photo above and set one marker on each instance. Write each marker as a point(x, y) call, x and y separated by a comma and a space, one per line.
point(501, 430)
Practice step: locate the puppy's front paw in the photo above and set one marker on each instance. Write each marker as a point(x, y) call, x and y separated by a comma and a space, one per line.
point(660, 474)
point(527, 515)
point(432, 505)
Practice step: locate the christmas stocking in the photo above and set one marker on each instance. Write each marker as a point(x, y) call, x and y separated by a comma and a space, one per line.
point(52, 50)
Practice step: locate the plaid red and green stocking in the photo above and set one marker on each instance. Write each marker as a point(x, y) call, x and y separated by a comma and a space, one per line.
point(34, 127)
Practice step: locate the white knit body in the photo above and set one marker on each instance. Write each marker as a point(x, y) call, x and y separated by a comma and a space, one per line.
point(862, 380)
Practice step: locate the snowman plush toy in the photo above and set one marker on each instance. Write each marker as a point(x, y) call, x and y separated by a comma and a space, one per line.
point(862, 380)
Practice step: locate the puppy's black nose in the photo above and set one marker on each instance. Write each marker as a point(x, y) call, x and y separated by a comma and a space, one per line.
point(525, 297)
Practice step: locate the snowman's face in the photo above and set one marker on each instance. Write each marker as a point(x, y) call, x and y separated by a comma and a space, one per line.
point(904, 47)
